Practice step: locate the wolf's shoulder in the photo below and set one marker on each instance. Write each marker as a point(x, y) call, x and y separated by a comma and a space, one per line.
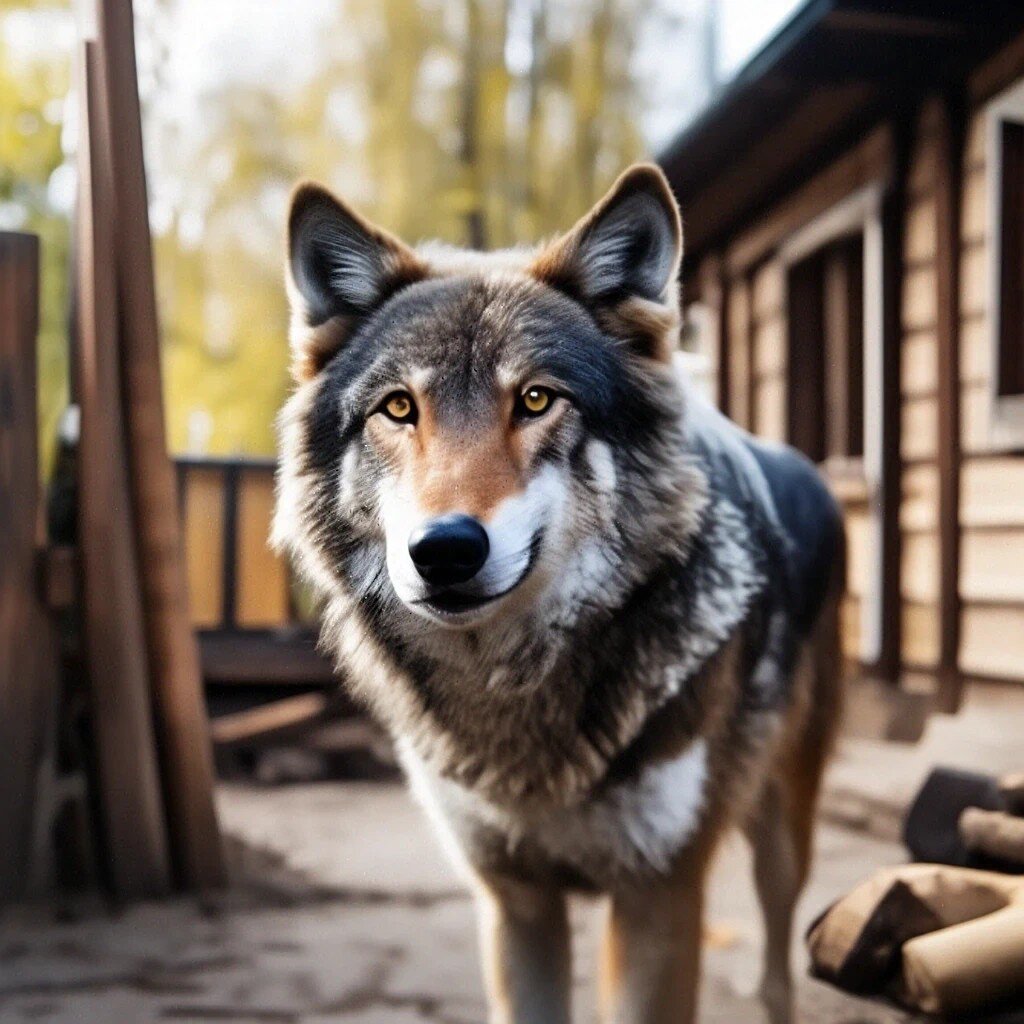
point(782, 494)
point(810, 518)
point(806, 507)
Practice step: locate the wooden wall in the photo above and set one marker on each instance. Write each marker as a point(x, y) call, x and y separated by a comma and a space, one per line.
point(919, 434)
point(752, 301)
point(757, 350)
point(768, 339)
point(235, 581)
point(756, 330)
point(991, 484)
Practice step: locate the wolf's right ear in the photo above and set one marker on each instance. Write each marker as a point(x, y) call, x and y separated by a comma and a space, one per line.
point(340, 268)
point(621, 261)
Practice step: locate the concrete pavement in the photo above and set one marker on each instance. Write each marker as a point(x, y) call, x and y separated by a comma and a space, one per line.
point(346, 912)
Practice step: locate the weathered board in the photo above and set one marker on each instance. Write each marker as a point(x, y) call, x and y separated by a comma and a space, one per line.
point(991, 483)
point(27, 643)
point(115, 641)
point(186, 755)
point(203, 505)
point(262, 577)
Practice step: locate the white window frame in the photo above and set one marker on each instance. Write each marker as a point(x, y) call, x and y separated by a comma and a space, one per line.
point(861, 212)
point(1005, 412)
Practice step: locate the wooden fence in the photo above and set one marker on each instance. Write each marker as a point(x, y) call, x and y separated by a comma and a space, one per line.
point(27, 637)
point(253, 621)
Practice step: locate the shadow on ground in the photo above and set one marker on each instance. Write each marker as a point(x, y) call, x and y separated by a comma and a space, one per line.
point(344, 911)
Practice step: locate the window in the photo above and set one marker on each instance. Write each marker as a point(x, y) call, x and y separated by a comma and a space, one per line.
point(826, 346)
point(838, 280)
point(1005, 171)
point(697, 342)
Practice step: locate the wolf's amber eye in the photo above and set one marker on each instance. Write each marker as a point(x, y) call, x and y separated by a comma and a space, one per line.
point(535, 401)
point(399, 407)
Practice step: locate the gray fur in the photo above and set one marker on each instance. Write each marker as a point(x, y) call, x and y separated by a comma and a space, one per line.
point(669, 553)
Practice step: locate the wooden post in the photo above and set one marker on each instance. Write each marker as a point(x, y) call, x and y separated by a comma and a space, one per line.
point(714, 294)
point(888, 665)
point(187, 758)
point(27, 645)
point(115, 641)
point(949, 179)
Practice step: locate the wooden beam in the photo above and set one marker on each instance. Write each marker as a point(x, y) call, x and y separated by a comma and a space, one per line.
point(749, 369)
point(229, 548)
point(714, 293)
point(999, 72)
point(890, 25)
point(115, 639)
point(27, 643)
point(271, 720)
point(948, 192)
point(60, 581)
point(841, 186)
point(774, 160)
point(255, 658)
point(887, 664)
point(187, 757)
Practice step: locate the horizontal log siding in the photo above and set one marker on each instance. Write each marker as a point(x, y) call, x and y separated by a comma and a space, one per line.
point(919, 483)
point(991, 484)
point(768, 337)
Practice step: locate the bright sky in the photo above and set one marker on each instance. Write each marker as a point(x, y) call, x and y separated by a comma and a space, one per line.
point(746, 24)
point(669, 59)
point(267, 41)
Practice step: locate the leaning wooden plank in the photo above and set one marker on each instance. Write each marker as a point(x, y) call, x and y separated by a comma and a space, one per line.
point(27, 667)
point(270, 720)
point(115, 640)
point(60, 576)
point(187, 759)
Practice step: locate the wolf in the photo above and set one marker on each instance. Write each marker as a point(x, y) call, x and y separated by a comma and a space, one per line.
point(598, 619)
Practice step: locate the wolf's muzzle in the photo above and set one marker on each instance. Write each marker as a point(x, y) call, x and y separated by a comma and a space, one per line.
point(449, 550)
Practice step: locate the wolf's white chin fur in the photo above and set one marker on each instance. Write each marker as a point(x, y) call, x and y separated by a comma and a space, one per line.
point(512, 531)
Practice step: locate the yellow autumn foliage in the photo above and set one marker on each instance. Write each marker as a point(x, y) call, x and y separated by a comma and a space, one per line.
point(486, 122)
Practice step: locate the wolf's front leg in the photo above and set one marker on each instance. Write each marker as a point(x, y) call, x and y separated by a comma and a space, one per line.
point(651, 959)
point(524, 933)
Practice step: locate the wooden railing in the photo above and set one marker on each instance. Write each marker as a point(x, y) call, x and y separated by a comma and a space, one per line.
point(253, 621)
point(235, 580)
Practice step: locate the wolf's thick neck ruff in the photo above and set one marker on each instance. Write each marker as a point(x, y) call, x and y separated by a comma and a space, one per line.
point(534, 708)
point(623, 548)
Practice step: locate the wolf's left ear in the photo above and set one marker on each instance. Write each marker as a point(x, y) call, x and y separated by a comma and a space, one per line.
point(622, 259)
point(340, 268)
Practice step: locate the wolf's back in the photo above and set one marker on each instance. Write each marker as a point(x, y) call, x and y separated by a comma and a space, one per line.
point(813, 525)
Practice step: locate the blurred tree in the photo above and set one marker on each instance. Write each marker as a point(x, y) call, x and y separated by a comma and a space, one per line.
point(479, 122)
point(35, 181)
point(484, 123)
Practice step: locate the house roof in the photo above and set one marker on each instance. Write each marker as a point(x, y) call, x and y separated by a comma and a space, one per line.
point(832, 71)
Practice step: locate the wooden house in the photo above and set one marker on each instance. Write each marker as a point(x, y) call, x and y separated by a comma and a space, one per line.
point(853, 207)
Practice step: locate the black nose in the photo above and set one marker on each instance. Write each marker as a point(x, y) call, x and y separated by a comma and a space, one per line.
point(450, 549)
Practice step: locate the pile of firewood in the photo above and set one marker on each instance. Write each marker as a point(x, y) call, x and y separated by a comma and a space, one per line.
point(946, 935)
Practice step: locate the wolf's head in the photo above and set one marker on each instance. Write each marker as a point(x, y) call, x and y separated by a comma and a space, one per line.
point(472, 433)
